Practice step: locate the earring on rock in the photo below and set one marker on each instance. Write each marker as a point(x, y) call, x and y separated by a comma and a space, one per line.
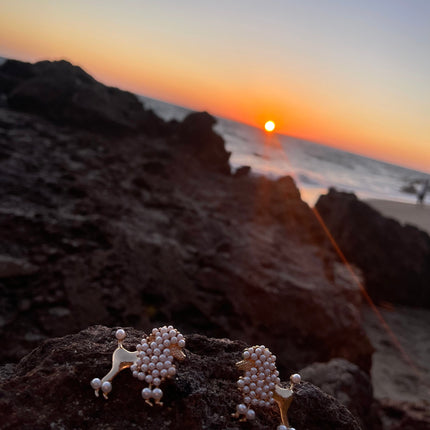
point(152, 362)
point(260, 385)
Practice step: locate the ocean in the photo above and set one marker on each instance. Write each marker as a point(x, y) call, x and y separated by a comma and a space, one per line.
point(314, 167)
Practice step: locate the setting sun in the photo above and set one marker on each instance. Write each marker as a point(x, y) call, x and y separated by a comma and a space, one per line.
point(269, 126)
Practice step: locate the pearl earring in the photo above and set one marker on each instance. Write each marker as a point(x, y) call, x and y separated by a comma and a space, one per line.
point(260, 385)
point(152, 362)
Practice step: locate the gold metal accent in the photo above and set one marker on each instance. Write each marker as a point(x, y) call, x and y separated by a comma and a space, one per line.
point(121, 359)
point(283, 397)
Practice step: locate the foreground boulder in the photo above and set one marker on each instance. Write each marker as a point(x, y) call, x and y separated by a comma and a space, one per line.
point(50, 388)
point(394, 259)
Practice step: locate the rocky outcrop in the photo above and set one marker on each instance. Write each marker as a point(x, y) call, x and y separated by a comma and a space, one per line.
point(50, 388)
point(348, 384)
point(201, 142)
point(144, 231)
point(66, 94)
point(394, 259)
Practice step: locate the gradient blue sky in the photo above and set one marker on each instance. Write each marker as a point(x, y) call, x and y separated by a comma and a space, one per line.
point(352, 74)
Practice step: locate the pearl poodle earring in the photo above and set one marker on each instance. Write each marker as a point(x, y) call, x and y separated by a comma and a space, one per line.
point(260, 385)
point(152, 362)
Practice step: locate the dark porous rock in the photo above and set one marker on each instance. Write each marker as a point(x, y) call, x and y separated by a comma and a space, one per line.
point(66, 94)
point(50, 388)
point(196, 133)
point(348, 384)
point(394, 259)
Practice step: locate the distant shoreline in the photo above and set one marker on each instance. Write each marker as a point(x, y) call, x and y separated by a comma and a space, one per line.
point(405, 213)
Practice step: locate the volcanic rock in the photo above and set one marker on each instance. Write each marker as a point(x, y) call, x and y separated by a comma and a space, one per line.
point(142, 230)
point(195, 132)
point(66, 94)
point(394, 259)
point(50, 388)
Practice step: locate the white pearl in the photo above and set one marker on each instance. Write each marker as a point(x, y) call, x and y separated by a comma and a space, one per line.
point(163, 373)
point(254, 402)
point(156, 381)
point(172, 333)
point(253, 385)
point(151, 366)
point(262, 403)
point(158, 340)
point(253, 356)
point(258, 351)
point(180, 336)
point(106, 387)
point(246, 355)
point(145, 346)
point(173, 340)
point(282, 427)
point(165, 335)
point(250, 414)
point(133, 367)
point(166, 352)
point(171, 371)
point(247, 399)
point(247, 380)
point(160, 365)
point(166, 343)
point(241, 408)
point(120, 334)
point(146, 360)
point(96, 383)
point(157, 351)
point(295, 378)
point(153, 345)
point(246, 389)
point(181, 343)
point(163, 330)
point(157, 393)
point(146, 393)
point(144, 368)
point(135, 373)
point(155, 373)
point(148, 378)
point(140, 376)
point(170, 327)
point(154, 359)
point(167, 364)
point(240, 383)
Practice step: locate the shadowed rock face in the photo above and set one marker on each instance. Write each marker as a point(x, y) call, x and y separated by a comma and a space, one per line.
point(50, 388)
point(145, 230)
point(394, 259)
point(350, 385)
point(67, 95)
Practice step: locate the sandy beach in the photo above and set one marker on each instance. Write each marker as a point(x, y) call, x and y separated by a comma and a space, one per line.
point(406, 213)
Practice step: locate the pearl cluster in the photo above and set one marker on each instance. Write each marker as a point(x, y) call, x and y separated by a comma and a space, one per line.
point(155, 359)
point(152, 361)
point(258, 383)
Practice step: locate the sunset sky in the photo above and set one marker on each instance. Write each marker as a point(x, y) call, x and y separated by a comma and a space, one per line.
point(351, 74)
